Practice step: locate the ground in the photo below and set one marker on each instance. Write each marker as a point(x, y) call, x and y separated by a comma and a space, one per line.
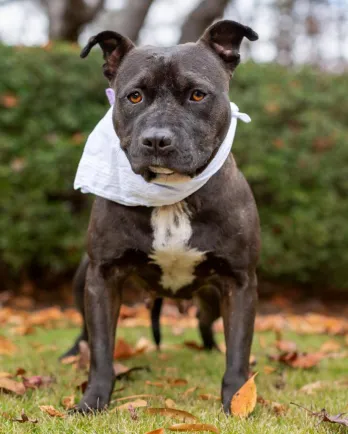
point(38, 355)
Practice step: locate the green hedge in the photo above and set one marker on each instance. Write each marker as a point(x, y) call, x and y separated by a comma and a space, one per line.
point(294, 154)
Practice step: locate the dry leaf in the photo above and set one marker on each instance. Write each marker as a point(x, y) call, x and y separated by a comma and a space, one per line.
point(244, 401)
point(170, 403)
point(171, 412)
point(68, 402)
point(330, 346)
point(154, 383)
point(123, 350)
point(143, 395)
point(126, 373)
point(50, 410)
point(70, 360)
point(135, 404)
point(24, 418)
point(143, 345)
point(189, 391)
point(194, 427)
point(20, 372)
point(299, 360)
point(5, 375)
point(286, 346)
point(156, 431)
point(275, 406)
point(319, 385)
point(6, 347)
point(23, 330)
point(177, 381)
point(37, 381)
point(209, 397)
point(8, 385)
point(324, 416)
point(193, 345)
point(269, 369)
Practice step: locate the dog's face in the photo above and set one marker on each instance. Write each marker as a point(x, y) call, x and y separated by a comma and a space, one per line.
point(172, 108)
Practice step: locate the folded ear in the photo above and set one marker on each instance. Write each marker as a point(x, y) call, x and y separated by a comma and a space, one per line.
point(224, 38)
point(114, 46)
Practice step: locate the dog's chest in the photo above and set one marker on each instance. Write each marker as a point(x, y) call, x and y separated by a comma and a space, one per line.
point(172, 232)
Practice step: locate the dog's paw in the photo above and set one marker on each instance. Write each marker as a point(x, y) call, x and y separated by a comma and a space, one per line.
point(229, 388)
point(92, 402)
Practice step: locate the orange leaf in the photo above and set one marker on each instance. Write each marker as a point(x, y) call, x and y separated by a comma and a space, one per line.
point(154, 383)
point(196, 427)
point(193, 345)
point(177, 381)
point(6, 346)
point(330, 346)
point(5, 375)
point(283, 345)
point(135, 404)
point(8, 385)
point(171, 412)
point(123, 350)
point(189, 391)
point(70, 360)
point(50, 410)
point(244, 401)
point(170, 403)
point(68, 402)
point(275, 406)
point(143, 395)
point(268, 369)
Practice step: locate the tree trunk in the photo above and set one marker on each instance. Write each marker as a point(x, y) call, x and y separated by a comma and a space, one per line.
point(200, 18)
point(68, 17)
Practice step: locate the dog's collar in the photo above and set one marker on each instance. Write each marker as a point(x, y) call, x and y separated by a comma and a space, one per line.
point(104, 169)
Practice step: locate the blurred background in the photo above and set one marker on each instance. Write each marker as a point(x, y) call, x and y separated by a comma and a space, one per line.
point(293, 83)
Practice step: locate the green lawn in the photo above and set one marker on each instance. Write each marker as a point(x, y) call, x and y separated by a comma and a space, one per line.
point(198, 368)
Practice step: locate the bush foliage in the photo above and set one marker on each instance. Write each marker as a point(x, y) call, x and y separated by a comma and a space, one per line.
point(294, 154)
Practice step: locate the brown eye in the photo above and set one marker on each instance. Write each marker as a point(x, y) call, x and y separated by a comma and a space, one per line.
point(197, 95)
point(135, 97)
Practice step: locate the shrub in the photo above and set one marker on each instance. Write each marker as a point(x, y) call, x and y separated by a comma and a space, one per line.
point(294, 154)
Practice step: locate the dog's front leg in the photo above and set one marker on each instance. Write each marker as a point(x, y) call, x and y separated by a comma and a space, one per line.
point(238, 307)
point(102, 304)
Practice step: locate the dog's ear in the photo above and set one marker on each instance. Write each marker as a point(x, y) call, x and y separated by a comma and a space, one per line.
point(224, 38)
point(114, 46)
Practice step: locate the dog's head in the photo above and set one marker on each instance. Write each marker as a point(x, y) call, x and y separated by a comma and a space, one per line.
point(172, 108)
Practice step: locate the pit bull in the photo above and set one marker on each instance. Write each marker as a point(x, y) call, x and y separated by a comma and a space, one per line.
point(171, 114)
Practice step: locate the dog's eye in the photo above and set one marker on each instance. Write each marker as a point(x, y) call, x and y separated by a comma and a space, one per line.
point(135, 97)
point(197, 95)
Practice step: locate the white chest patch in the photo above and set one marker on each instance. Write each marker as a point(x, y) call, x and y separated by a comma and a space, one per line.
point(171, 250)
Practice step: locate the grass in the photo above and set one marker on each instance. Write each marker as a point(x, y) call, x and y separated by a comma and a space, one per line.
point(198, 368)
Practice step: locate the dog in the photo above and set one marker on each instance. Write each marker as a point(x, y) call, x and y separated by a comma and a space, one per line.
point(171, 114)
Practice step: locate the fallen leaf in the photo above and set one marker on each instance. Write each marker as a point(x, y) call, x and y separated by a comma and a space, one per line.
point(319, 385)
point(193, 345)
point(269, 369)
point(177, 381)
point(68, 402)
point(24, 418)
point(189, 391)
point(209, 397)
point(20, 372)
point(262, 342)
point(8, 385)
point(170, 403)
point(244, 401)
point(50, 410)
point(286, 346)
point(143, 395)
point(70, 360)
point(135, 404)
point(171, 412)
point(156, 431)
point(23, 330)
point(37, 381)
point(123, 350)
point(196, 427)
point(143, 345)
point(324, 416)
point(5, 375)
point(330, 346)
point(6, 347)
point(299, 360)
point(154, 383)
point(124, 372)
point(275, 406)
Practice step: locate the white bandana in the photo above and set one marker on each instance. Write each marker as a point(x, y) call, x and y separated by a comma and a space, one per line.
point(105, 171)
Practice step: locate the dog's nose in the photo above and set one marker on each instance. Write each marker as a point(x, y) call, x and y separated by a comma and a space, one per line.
point(157, 139)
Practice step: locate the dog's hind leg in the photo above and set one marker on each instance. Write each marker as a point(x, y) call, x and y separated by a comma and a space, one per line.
point(155, 321)
point(79, 293)
point(208, 311)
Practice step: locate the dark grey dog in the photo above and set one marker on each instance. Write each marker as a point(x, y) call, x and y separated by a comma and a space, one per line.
point(171, 114)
